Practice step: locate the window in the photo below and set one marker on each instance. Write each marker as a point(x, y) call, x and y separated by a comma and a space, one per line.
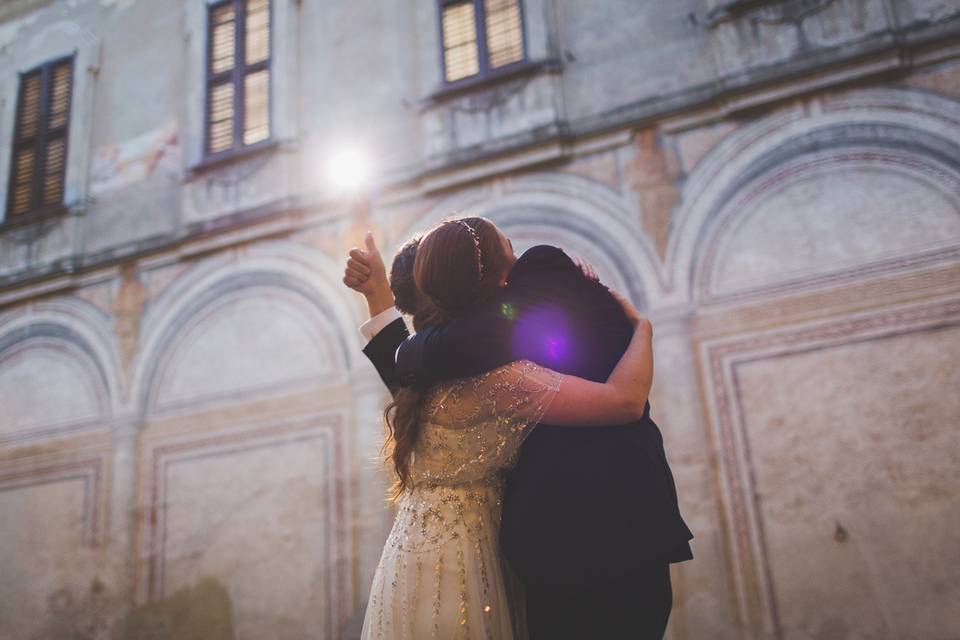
point(38, 164)
point(238, 76)
point(479, 37)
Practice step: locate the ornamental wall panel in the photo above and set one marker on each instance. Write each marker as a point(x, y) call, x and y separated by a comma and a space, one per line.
point(805, 449)
point(829, 216)
point(253, 341)
point(259, 507)
point(53, 537)
point(46, 386)
point(856, 482)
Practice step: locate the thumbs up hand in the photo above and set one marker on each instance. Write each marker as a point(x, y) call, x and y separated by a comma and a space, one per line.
point(365, 273)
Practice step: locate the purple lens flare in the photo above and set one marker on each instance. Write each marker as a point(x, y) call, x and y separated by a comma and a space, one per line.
point(543, 334)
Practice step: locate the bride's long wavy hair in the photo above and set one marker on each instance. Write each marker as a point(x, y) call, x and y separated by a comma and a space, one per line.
point(452, 279)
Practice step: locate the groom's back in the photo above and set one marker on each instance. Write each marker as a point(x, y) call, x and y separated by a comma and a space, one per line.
point(582, 504)
point(569, 322)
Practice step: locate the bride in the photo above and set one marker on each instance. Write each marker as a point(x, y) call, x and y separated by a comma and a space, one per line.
point(441, 574)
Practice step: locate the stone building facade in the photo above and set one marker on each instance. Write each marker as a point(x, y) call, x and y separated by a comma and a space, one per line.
point(189, 431)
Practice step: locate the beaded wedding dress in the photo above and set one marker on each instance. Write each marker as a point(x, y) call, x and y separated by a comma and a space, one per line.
point(441, 574)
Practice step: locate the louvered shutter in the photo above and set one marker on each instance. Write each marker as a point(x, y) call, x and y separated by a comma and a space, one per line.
point(460, 56)
point(479, 36)
point(55, 150)
point(256, 79)
point(220, 99)
point(238, 75)
point(504, 32)
point(38, 165)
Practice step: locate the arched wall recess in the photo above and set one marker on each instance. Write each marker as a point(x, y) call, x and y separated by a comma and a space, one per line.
point(901, 124)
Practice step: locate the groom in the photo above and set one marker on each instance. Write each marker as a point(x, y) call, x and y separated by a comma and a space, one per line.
point(590, 518)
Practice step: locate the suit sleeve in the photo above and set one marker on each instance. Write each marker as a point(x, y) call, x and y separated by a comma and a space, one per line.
point(381, 351)
point(465, 346)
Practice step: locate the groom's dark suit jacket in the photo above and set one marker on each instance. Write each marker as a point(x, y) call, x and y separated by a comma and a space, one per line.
point(583, 505)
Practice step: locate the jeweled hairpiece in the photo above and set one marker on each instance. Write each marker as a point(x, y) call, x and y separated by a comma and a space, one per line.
point(476, 242)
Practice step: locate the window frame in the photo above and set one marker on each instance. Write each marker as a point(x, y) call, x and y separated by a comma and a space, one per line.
point(484, 72)
point(237, 73)
point(40, 141)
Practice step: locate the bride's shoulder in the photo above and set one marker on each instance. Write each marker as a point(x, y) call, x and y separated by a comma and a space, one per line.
point(512, 392)
point(508, 377)
point(521, 373)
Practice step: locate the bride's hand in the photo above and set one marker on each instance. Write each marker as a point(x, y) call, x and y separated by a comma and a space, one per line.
point(365, 273)
point(634, 316)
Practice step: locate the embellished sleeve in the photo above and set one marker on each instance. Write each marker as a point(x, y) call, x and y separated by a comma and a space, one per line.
point(488, 416)
point(521, 393)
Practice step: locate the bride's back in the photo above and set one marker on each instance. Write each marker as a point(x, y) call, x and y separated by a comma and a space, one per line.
point(472, 428)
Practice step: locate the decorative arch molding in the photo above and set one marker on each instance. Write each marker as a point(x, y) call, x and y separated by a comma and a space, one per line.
point(919, 173)
point(908, 126)
point(71, 349)
point(279, 267)
point(578, 213)
point(88, 325)
point(560, 227)
point(56, 40)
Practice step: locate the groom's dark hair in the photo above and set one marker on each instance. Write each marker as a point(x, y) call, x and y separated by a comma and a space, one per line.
point(405, 294)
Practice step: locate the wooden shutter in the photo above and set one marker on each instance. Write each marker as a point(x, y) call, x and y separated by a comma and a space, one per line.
point(238, 75)
point(460, 56)
point(480, 36)
point(256, 78)
point(55, 150)
point(504, 32)
point(38, 166)
point(221, 106)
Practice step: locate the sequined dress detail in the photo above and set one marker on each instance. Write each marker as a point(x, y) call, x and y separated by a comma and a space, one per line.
point(441, 574)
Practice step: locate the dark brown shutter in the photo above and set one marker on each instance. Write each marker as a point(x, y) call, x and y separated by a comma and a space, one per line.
point(39, 162)
point(59, 109)
point(55, 154)
point(24, 168)
point(28, 120)
point(24, 163)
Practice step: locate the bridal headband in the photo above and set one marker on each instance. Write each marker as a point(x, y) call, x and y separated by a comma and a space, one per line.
point(476, 242)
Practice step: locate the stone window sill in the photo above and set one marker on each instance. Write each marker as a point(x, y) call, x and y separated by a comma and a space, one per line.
point(46, 214)
point(791, 11)
point(492, 79)
point(219, 161)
